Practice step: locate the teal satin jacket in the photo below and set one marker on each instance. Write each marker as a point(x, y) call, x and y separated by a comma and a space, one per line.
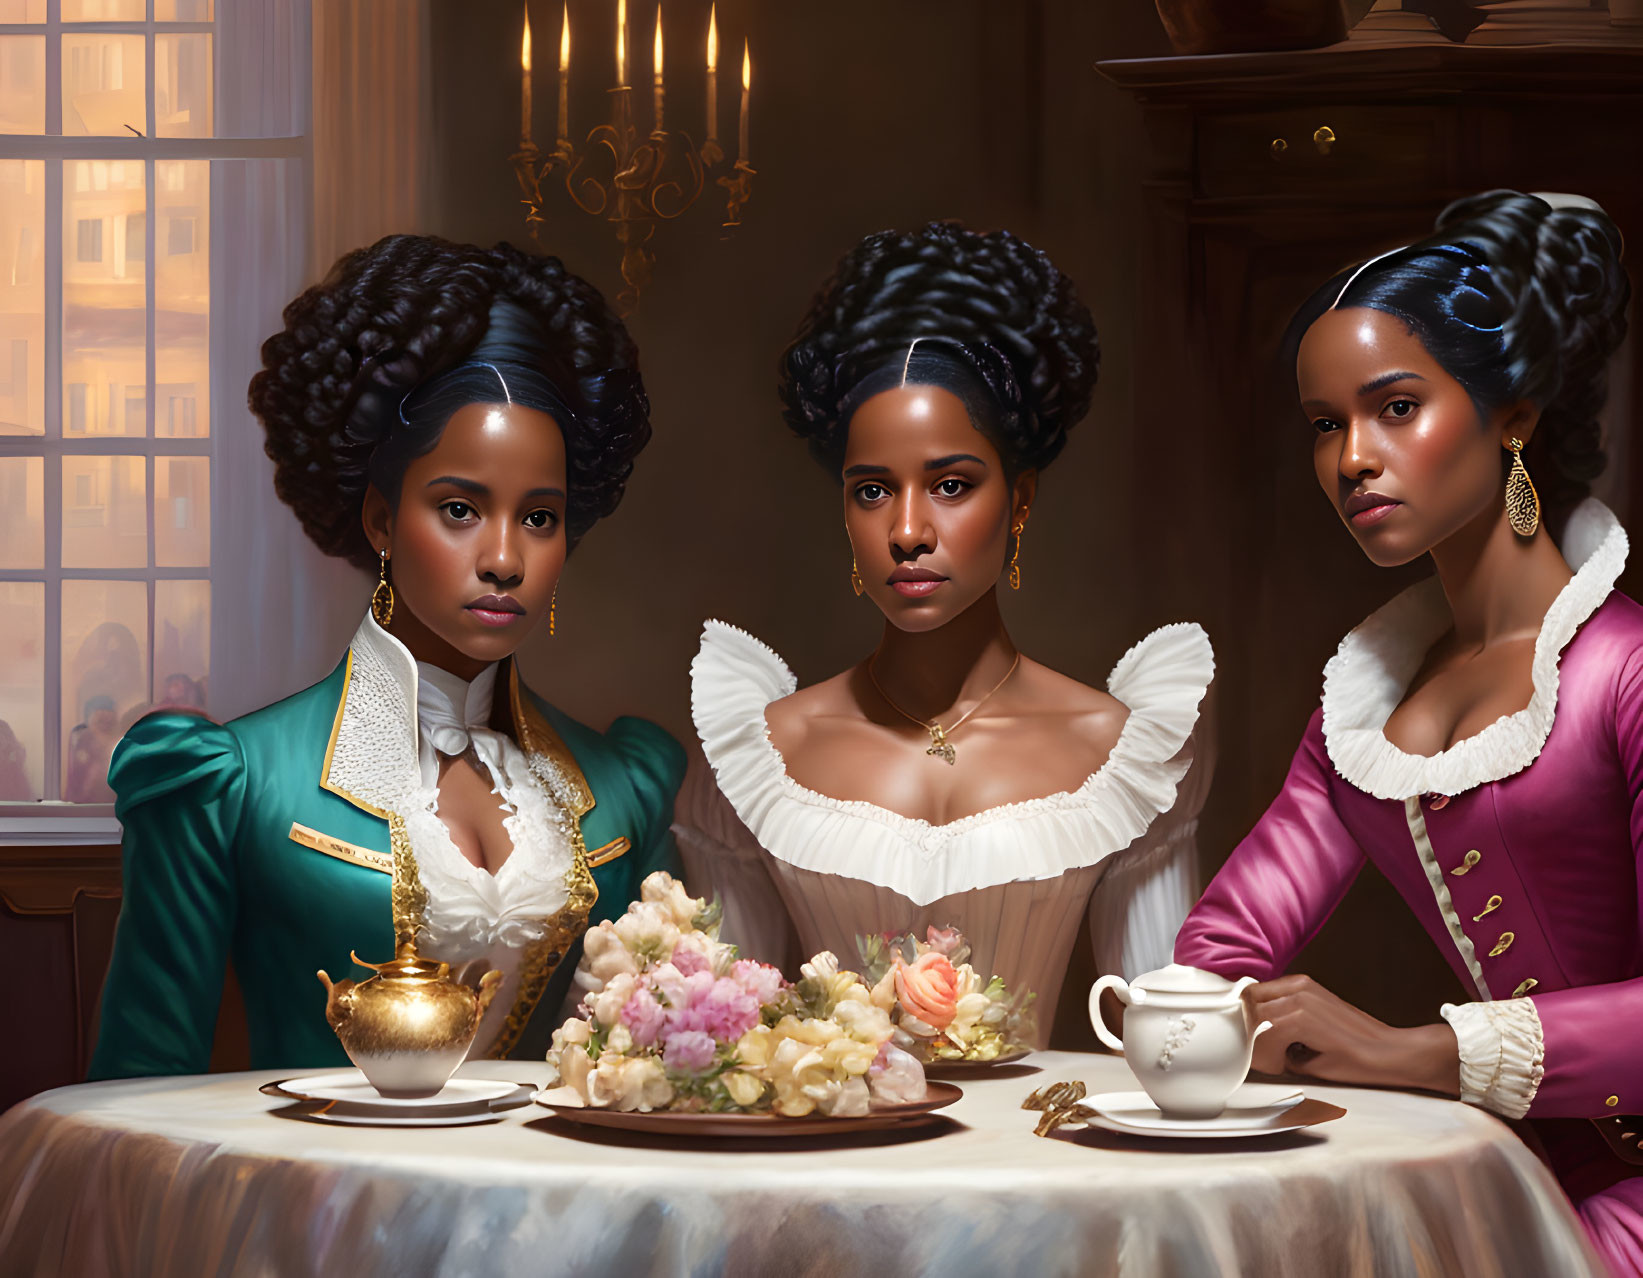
point(244, 843)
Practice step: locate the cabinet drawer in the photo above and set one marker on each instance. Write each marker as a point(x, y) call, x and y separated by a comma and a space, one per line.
point(1310, 149)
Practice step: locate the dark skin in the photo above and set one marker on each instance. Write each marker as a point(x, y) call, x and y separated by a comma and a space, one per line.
point(1393, 425)
point(480, 520)
point(925, 493)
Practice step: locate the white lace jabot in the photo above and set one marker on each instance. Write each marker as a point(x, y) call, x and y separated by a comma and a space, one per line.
point(1367, 677)
point(385, 755)
point(1161, 680)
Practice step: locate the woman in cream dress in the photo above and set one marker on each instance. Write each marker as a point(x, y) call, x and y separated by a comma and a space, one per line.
point(946, 780)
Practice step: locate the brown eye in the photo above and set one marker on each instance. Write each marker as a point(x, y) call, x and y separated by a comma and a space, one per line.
point(540, 519)
point(871, 492)
point(458, 510)
point(952, 487)
point(1323, 425)
point(1402, 408)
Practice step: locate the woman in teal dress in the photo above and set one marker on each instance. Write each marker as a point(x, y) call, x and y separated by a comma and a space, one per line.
point(453, 419)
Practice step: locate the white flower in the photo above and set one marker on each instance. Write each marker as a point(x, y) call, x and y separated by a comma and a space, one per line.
point(863, 1022)
point(661, 889)
point(823, 967)
point(972, 1008)
point(901, 1080)
point(619, 1040)
point(607, 1005)
point(573, 1033)
point(850, 1101)
point(628, 1083)
point(604, 956)
point(648, 932)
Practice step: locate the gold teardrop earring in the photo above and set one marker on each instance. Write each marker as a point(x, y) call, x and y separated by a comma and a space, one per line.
point(552, 600)
point(856, 583)
point(382, 598)
point(1522, 501)
point(1015, 559)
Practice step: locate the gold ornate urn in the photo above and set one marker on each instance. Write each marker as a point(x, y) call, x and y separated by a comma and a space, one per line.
point(409, 1026)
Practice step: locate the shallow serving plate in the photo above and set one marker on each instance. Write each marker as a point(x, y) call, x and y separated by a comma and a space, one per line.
point(973, 1069)
point(1283, 1110)
point(936, 1096)
point(347, 1091)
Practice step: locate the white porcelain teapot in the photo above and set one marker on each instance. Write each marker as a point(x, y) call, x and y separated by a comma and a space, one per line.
point(1190, 1036)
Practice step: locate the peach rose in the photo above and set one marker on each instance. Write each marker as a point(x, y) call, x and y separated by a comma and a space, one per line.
point(928, 989)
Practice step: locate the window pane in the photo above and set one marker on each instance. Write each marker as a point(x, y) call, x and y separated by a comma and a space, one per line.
point(22, 297)
point(182, 10)
point(105, 325)
point(22, 512)
point(104, 10)
point(182, 86)
point(182, 298)
point(22, 677)
point(105, 678)
point(182, 512)
point(182, 643)
point(105, 512)
point(22, 10)
point(103, 89)
point(22, 83)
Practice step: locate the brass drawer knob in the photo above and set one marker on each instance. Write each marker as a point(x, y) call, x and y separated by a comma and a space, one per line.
point(1323, 138)
point(1279, 146)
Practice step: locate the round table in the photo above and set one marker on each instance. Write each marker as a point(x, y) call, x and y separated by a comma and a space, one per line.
point(182, 1176)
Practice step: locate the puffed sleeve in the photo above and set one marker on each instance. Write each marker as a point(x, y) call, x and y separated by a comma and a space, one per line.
point(1282, 882)
point(655, 765)
point(179, 784)
point(723, 859)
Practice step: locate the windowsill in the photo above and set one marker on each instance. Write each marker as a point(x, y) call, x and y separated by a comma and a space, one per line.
point(53, 824)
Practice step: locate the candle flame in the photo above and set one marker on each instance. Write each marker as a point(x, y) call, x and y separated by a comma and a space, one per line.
point(657, 53)
point(622, 41)
point(713, 38)
point(564, 41)
point(747, 68)
point(525, 44)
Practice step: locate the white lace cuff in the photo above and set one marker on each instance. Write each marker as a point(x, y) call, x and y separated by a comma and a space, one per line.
point(1502, 1053)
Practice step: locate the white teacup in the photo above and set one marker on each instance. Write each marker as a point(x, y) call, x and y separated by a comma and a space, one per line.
point(1189, 1033)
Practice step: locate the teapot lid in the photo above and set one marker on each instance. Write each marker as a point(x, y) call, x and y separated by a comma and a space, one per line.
point(1178, 978)
point(407, 964)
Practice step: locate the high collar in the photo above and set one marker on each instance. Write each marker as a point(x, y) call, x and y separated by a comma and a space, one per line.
point(1366, 679)
point(374, 760)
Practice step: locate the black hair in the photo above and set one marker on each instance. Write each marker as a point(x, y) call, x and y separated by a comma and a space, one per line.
point(373, 361)
point(1517, 300)
point(990, 302)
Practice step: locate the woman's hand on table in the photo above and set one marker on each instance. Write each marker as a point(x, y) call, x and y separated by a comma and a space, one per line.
point(1319, 1034)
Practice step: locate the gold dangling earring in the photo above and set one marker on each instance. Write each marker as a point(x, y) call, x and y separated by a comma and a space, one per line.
point(1015, 559)
point(382, 598)
point(1522, 501)
point(552, 600)
point(856, 583)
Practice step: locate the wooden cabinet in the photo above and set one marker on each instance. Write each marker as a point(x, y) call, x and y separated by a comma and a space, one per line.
point(1376, 139)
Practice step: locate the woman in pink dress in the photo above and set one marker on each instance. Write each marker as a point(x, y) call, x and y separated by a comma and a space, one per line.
point(1481, 736)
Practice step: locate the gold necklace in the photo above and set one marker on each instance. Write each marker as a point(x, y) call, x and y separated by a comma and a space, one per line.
point(940, 746)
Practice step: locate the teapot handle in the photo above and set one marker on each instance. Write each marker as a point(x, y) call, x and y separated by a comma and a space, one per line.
point(1260, 1029)
point(1118, 986)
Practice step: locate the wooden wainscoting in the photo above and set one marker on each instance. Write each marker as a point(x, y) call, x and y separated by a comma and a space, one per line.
point(58, 909)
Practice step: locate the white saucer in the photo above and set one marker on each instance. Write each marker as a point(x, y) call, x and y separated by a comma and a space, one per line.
point(1253, 1108)
point(359, 1118)
point(350, 1088)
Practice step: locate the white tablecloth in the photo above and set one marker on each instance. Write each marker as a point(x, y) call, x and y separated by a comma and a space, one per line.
point(182, 1176)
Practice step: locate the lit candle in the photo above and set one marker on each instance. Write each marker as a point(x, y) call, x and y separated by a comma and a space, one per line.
point(713, 73)
point(525, 83)
point(747, 83)
point(564, 74)
point(621, 43)
point(658, 60)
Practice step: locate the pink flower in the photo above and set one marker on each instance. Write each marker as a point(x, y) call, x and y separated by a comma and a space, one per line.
point(689, 1050)
point(644, 1017)
point(928, 989)
point(719, 1007)
point(689, 961)
point(760, 980)
point(944, 940)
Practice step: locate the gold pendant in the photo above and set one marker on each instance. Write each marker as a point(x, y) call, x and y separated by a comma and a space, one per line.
point(939, 745)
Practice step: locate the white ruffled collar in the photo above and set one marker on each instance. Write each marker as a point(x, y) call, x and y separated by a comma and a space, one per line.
point(1161, 680)
point(1367, 678)
point(379, 761)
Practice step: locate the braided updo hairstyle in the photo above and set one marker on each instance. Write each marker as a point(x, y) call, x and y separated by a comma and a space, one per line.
point(1000, 307)
point(1517, 300)
point(387, 320)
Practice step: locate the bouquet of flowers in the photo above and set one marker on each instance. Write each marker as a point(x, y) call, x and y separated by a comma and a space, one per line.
point(672, 1019)
point(942, 1010)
